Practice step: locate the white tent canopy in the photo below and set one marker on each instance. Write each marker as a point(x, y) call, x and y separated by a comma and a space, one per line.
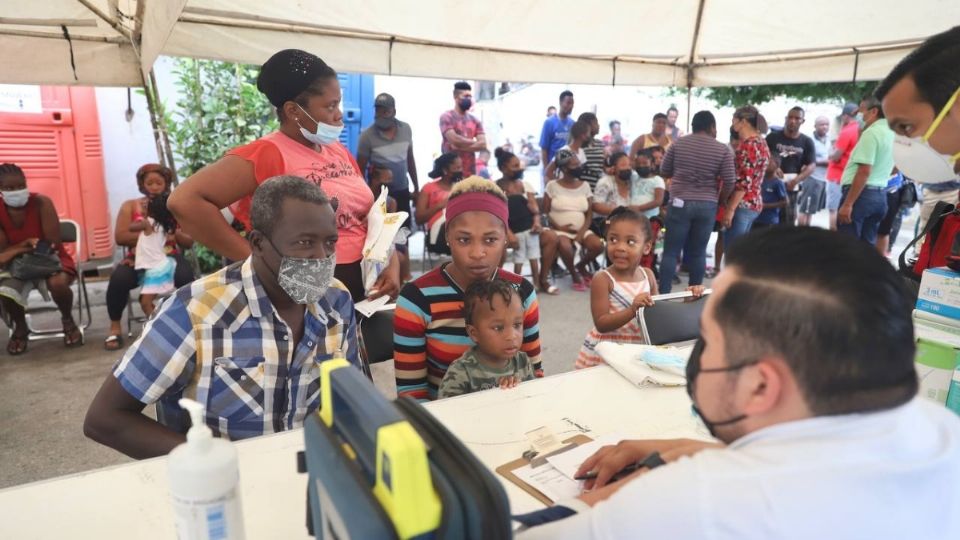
point(629, 42)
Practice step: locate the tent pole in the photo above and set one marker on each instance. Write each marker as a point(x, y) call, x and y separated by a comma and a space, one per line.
point(693, 56)
point(160, 137)
point(168, 149)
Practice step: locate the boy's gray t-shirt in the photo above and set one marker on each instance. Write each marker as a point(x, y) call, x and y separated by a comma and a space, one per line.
point(467, 374)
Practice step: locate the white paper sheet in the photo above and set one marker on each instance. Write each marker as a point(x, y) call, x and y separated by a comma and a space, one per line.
point(568, 462)
point(369, 307)
point(548, 480)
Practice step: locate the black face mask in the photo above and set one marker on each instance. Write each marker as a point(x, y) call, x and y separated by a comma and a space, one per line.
point(645, 172)
point(518, 175)
point(625, 175)
point(456, 177)
point(576, 173)
point(693, 370)
point(465, 104)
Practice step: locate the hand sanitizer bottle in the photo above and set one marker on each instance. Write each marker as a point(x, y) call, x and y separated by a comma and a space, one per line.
point(204, 483)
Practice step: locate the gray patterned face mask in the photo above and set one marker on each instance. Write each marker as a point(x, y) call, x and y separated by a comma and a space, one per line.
point(304, 280)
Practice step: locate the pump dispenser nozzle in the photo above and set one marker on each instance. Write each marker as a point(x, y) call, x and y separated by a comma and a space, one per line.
point(198, 429)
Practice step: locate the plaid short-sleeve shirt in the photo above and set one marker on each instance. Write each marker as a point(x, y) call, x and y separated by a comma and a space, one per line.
point(221, 342)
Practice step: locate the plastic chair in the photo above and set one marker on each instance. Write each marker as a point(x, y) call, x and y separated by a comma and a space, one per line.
point(141, 319)
point(376, 338)
point(669, 322)
point(69, 234)
point(431, 255)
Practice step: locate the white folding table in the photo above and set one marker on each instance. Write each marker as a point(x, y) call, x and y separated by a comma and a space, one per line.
point(132, 501)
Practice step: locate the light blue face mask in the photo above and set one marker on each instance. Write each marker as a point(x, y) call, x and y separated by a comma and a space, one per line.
point(325, 134)
point(16, 198)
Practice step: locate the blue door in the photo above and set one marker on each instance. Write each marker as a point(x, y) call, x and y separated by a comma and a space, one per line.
point(357, 107)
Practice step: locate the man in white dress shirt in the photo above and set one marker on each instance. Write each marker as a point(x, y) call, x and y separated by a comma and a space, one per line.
point(822, 433)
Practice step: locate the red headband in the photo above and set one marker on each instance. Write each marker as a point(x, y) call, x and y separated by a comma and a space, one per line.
point(479, 201)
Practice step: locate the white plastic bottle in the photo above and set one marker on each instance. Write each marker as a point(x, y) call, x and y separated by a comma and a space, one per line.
point(204, 483)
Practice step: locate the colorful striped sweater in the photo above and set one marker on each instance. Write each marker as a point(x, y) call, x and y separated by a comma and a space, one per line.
point(429, 333)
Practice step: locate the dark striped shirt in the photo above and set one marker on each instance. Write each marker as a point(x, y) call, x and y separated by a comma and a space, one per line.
point(695, 163)
point(593, 168)
point(429, 333)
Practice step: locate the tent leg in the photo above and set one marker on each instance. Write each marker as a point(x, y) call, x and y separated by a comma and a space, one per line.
point(688, 108)
point(160, 136)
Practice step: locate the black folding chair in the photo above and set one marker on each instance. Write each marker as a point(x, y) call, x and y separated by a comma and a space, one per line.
point(69, 234)
point(376, 339)
point(669, 321)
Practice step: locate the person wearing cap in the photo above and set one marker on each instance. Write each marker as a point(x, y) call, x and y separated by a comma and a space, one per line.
point(429, 330)
point(864, 184)
point(846, 141)
point(462, 132)
point(921, 101)
point(306, 94)
point(388, 144)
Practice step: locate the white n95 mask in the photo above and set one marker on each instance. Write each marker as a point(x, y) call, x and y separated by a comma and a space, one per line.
point(919, 161)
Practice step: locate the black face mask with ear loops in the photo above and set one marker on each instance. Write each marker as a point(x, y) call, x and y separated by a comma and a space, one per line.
point(693, 370)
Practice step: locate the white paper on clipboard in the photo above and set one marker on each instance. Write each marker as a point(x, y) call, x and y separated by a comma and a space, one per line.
point(550, 481)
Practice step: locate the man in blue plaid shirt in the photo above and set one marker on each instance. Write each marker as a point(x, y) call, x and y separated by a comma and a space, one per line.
point(246, 341)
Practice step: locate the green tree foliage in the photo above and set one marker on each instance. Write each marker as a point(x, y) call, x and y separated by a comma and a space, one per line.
point(736, 96)
point(218, 108)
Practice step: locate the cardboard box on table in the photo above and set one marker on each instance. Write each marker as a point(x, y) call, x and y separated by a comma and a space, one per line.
point(938, 358)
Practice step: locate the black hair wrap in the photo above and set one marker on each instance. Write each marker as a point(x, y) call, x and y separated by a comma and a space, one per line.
point(288, 73)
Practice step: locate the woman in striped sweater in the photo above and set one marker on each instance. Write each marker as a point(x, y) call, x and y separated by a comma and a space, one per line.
point(429, 331)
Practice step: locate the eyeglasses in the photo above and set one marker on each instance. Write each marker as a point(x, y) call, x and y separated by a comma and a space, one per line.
point(727, 369)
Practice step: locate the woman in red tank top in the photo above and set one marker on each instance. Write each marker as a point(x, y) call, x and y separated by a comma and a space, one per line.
point(306, 94)
point(25, 219)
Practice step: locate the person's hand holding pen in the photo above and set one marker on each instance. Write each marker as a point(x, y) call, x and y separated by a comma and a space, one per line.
point(608, 463)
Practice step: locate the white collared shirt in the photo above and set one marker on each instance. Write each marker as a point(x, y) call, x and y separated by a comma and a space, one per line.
point(893, 474)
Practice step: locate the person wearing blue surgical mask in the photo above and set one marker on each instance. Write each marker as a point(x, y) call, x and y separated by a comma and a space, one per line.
point(921, 100)
point(29, 226)
point(307, 97)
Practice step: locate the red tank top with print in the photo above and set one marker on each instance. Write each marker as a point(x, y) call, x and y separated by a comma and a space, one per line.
point(32, 228)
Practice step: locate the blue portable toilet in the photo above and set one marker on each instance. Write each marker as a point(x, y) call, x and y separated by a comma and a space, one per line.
point(357, 105)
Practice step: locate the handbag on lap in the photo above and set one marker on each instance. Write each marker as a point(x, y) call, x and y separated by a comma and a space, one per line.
point(35, 265)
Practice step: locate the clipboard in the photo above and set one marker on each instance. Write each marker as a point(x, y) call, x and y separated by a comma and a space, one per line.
point(506, 471)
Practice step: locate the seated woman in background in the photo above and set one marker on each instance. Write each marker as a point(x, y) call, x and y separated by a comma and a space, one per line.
point(639, 189)
point(567, 203)
point(152, 180)
point(28, 224)
point(432, 200)
point(523, 232)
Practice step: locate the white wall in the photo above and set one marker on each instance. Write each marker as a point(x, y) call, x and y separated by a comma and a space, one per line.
point(129, 144)
point(420, 102)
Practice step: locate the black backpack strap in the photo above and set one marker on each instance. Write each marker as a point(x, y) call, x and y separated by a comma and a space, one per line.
point(940, 210)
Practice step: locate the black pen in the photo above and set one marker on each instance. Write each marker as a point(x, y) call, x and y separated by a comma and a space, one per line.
point(651, 462)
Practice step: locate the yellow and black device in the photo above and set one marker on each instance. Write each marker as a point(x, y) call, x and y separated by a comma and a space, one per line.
point(389, 470)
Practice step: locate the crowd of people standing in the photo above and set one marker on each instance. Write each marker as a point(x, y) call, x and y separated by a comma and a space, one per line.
point(692, 185)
